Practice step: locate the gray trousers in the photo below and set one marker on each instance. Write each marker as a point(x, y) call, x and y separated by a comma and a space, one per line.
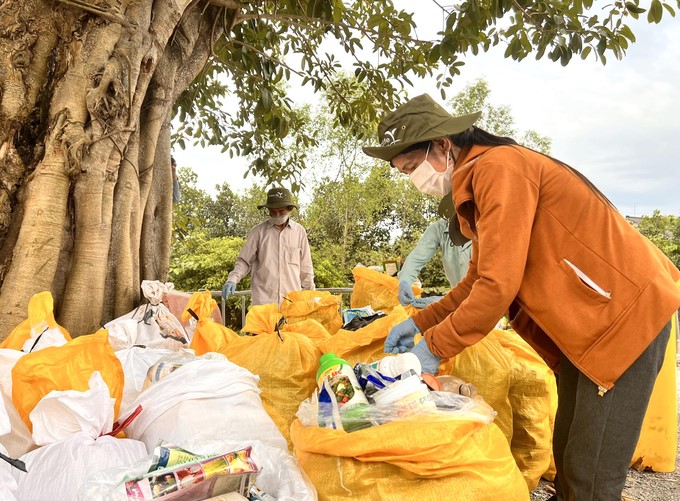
point(595, 437)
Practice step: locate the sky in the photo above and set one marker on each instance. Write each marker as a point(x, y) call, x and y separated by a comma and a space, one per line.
point(619, 124)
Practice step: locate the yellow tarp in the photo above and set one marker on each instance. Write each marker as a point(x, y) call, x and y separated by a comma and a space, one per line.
point(410, 460)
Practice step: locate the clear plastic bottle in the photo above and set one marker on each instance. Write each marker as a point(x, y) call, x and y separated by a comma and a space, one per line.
point(396, 365)
point(454, 384)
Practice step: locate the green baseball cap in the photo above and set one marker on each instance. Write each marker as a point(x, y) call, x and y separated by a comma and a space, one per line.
point(278, 198)
point(420, 119)
point(447, 210)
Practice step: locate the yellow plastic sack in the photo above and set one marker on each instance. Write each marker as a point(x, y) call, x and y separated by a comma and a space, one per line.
point(657, 445)
point(286, 366)
point(261, 318)
point(375, 289)
point(66, 367)
point(514, 380)
point(208, 334)
point(410, 460)
point(321, 306)
point(310, 328)
point(365, 344)
point(40, 315)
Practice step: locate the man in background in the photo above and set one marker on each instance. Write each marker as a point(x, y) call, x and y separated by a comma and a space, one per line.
point(276, 254)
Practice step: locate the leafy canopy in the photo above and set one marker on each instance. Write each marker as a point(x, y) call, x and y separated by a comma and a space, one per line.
point(240, 100)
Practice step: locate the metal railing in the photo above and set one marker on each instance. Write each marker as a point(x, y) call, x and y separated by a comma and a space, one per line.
point(245, 294)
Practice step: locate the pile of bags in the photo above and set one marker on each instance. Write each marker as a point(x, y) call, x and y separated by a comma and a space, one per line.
point(155, 405)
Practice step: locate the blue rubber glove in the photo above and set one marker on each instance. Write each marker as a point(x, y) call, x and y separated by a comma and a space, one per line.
point(400, 338)
point(406, 296)
point(428, 362)
point(228, 289)
point(425, 301)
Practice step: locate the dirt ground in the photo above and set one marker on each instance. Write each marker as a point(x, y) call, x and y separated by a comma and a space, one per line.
point(640, 485)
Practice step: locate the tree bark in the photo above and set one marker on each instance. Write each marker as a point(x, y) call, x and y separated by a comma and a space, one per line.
point(85, 178)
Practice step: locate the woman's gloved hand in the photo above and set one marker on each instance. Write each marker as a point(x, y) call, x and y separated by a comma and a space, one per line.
point(228, 289)
point(406, 295)
point(424, 302)
point(400, 338)
point(428, 362)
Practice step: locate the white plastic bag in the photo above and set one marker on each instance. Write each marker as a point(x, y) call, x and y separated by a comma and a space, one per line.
point(156, 326)
point(62, 414)
point(206, 398)
point(8, 485)
point(56, 471)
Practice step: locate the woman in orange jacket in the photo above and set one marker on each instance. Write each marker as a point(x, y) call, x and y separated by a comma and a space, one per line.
point(581, 285)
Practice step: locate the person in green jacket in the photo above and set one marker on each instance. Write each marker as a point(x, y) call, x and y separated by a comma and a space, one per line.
point(584, 288)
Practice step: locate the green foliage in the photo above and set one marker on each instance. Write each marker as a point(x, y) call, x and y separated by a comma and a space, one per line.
point(664, 232)
point(266, 46)
point(203, 263)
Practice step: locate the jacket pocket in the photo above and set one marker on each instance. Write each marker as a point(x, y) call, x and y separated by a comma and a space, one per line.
point(588, 283)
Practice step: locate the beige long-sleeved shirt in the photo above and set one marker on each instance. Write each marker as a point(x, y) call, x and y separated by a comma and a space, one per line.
point(279, 262)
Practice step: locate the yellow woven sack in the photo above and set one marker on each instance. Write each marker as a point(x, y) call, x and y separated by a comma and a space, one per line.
point(208, 334)
point(365, 344)
point(514, 380)
point(533, 399)
point(321, 306)
point(656, 447)
point(40, 314)
point(310, 328)
point(410, 459)
point(375, 289)
point(261, 318)
point(66, 367)
point(286, 366)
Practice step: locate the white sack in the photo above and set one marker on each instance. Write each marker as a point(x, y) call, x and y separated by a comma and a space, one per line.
point(204, 399)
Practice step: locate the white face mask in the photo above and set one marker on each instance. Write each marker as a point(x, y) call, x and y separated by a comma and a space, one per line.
point(278, 220)
point(429, 180)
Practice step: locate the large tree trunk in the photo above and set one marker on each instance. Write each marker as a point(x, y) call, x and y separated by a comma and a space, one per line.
point(86, 96)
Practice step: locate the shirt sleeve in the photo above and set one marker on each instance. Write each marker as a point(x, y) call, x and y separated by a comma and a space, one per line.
point(245, 258)
point(421, 254)
point(306, 267)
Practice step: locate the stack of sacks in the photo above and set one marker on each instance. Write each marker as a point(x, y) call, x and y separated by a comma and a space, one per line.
point(202, 398)
point(150, 325)
point(313, 305)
